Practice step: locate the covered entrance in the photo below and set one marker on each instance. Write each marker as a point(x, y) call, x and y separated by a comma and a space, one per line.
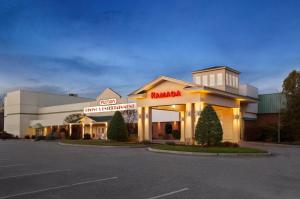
point(188, 99)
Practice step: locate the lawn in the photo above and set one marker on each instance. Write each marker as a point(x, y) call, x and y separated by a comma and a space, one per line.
point(208, 149)
point(102, 143)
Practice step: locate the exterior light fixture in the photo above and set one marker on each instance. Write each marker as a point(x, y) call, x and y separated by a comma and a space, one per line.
point(174, 106)
point(146, 115)
point(236, 117)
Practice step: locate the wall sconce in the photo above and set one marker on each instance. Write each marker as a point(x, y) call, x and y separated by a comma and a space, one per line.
point(146, 115)
point(236, 117)
point(198, 113)
point(189, 113)
point(140, 116)
point(182, 119)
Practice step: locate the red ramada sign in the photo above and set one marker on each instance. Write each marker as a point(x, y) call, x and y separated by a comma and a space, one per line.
point(165, 94)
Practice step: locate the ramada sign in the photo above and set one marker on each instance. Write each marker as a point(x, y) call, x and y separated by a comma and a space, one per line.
point(165, 94)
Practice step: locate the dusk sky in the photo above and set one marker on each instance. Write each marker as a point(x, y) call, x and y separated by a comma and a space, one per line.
point(85, 46)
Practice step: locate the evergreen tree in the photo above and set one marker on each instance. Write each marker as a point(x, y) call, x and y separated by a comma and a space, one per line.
point(117, 130)
point(208, 129)
point(291, 115)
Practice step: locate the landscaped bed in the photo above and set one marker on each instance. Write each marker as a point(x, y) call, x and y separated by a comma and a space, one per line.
point(214, 149)
point(102, 143)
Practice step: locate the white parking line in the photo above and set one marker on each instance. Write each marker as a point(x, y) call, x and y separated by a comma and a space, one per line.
point(58, 187)
point(168, 194)
point(12, 165)
point(33, 174)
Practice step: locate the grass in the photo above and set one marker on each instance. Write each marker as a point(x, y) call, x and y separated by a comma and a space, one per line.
point(102, 143)
point(208, 149)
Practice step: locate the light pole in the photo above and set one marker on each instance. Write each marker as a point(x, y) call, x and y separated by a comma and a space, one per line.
point(279, 117)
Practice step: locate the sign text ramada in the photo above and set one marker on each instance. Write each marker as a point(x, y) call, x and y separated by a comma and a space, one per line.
point(165, 94)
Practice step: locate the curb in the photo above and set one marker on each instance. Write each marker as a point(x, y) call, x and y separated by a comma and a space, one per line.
point(264, 144)
point(211, 154)
point(99, 146)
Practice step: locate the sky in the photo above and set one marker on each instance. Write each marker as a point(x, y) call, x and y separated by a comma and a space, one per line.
point(84, 46)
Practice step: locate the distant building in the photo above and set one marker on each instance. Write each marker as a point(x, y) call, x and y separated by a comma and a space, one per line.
point(270, 107)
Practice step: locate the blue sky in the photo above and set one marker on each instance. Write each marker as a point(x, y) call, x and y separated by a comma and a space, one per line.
point(85, 46)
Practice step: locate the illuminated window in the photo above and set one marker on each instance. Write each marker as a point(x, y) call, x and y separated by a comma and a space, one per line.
point(212, 80)
point(204, 80)
point(227, 79)
point(237, 82)
point(219, 79)
point(198, 80)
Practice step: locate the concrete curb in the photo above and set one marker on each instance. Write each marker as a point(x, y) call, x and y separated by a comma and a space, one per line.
point(99, 146)
point(264, 144)
point(211, 154)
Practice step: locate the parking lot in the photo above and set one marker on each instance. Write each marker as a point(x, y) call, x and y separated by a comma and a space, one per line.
point(49, 170)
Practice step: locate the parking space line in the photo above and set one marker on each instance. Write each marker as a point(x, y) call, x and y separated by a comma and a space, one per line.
point(12, 165)
point(33, 174)
point(58, 187)
point(168, 194)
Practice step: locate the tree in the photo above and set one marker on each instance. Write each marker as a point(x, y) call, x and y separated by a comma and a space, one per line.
point(291, 115)
point(117, 130)
point(168, 128)
point(130, 118)
point(208, 129)
point(73, 118)
point(1, 112)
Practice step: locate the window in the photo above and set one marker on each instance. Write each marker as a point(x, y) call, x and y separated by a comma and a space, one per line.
point(219, 79)
point(237, 82)
point(212, 80)
point(233, 81)
point(198, 80)
point(230, 80)
point(227, 79)
point(204, 80)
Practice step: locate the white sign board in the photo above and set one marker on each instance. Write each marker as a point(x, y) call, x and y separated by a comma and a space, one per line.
point(110, 108)
point(107, 101)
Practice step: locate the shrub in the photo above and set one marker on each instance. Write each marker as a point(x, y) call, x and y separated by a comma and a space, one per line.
point(117, 129)
point(27, 137)
point(145, 142)
point(209, 130)
point(229, 144)
point(33, 137)
point(176, 134)
point(40, 137)
point(168, 128)
point(268, 133)
point(170, 143)
point(4, 135)
point(87, 136)
point(51, 136)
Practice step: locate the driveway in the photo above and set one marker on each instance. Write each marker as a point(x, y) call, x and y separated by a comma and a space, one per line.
point(48, 170)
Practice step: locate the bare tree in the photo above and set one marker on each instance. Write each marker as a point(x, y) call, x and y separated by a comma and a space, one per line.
point(130, 117)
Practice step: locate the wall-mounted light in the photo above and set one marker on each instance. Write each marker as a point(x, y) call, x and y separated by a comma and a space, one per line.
point(198, 113)
point(174, 106)
point(146, 115)
point(140, 116)
point(236, 116)
point(189, 113)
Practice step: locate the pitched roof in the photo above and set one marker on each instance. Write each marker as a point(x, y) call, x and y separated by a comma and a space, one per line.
point(157, 80)
point(101, 118)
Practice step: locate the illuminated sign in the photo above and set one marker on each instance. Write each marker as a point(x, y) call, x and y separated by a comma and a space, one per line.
point(165, 94)
point(107, 101)
point(110, 108)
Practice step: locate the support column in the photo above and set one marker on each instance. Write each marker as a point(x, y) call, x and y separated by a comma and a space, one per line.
point(189, 123)
point(70, 130)
point(83, 130)
point(91, 130)
point(182, 127)
point(148, 123)
point(141, 122)
point(105, 130)
point(236, 124)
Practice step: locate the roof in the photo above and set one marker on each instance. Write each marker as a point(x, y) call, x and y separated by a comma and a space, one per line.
point(156, 81)
point(100, 118)
point(216, 68)
point(271, 103)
